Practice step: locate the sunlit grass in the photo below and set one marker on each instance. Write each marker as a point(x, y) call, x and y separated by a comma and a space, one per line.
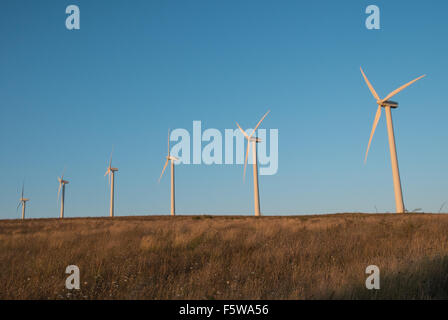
point(196, 257)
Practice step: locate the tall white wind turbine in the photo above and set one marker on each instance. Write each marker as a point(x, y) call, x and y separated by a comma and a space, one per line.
point(111, 172)
point(387, 105)
point(22, 202)
point(62, 184)
point(253, 141)
point(172, 159)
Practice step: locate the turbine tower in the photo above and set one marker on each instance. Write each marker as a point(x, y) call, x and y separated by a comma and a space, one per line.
point(111, 172)
point(62, 184)
point(253, 141)
point(172, 159)
point(22, 202)
point(387, 105)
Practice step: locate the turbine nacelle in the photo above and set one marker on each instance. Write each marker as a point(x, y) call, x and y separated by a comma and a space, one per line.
point(173, 158)
point(387, 103)
point(110, 169)
point(254, 139)
point(62, 181)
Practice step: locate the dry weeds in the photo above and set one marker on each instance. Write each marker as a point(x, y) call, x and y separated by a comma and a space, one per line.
point(203, 257)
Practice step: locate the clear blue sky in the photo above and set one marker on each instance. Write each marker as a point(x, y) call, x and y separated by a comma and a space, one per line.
point(137, 68)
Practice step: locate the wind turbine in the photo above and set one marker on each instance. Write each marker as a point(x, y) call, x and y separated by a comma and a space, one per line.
point(22, 202)
point(111, 172)
point(172, 159)
point(62, 184)
point(387, 105)
point(253, 141)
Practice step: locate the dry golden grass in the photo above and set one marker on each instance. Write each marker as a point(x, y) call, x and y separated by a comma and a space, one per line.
point(204, 257)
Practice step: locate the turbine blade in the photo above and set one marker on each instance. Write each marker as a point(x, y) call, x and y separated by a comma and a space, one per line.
point(23, 187)
point(163, 170)
point(244, 132)
point(390, 95)
point(168, 142)
point(259, 122)
point(375, 123)
point(108, 172)
point(370, 85)
point(245, 160)
point(63, 172)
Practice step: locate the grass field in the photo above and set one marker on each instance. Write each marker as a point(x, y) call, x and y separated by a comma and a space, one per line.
point(217, 257)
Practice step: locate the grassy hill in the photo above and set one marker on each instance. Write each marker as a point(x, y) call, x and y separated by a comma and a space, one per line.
point(218, 257)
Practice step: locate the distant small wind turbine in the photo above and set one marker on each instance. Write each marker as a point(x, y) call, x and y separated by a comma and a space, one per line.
point(22, 202)
point(253, 141)
point(387, 105)
point(172, 159)
point(111, 172)
point(62, 184)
